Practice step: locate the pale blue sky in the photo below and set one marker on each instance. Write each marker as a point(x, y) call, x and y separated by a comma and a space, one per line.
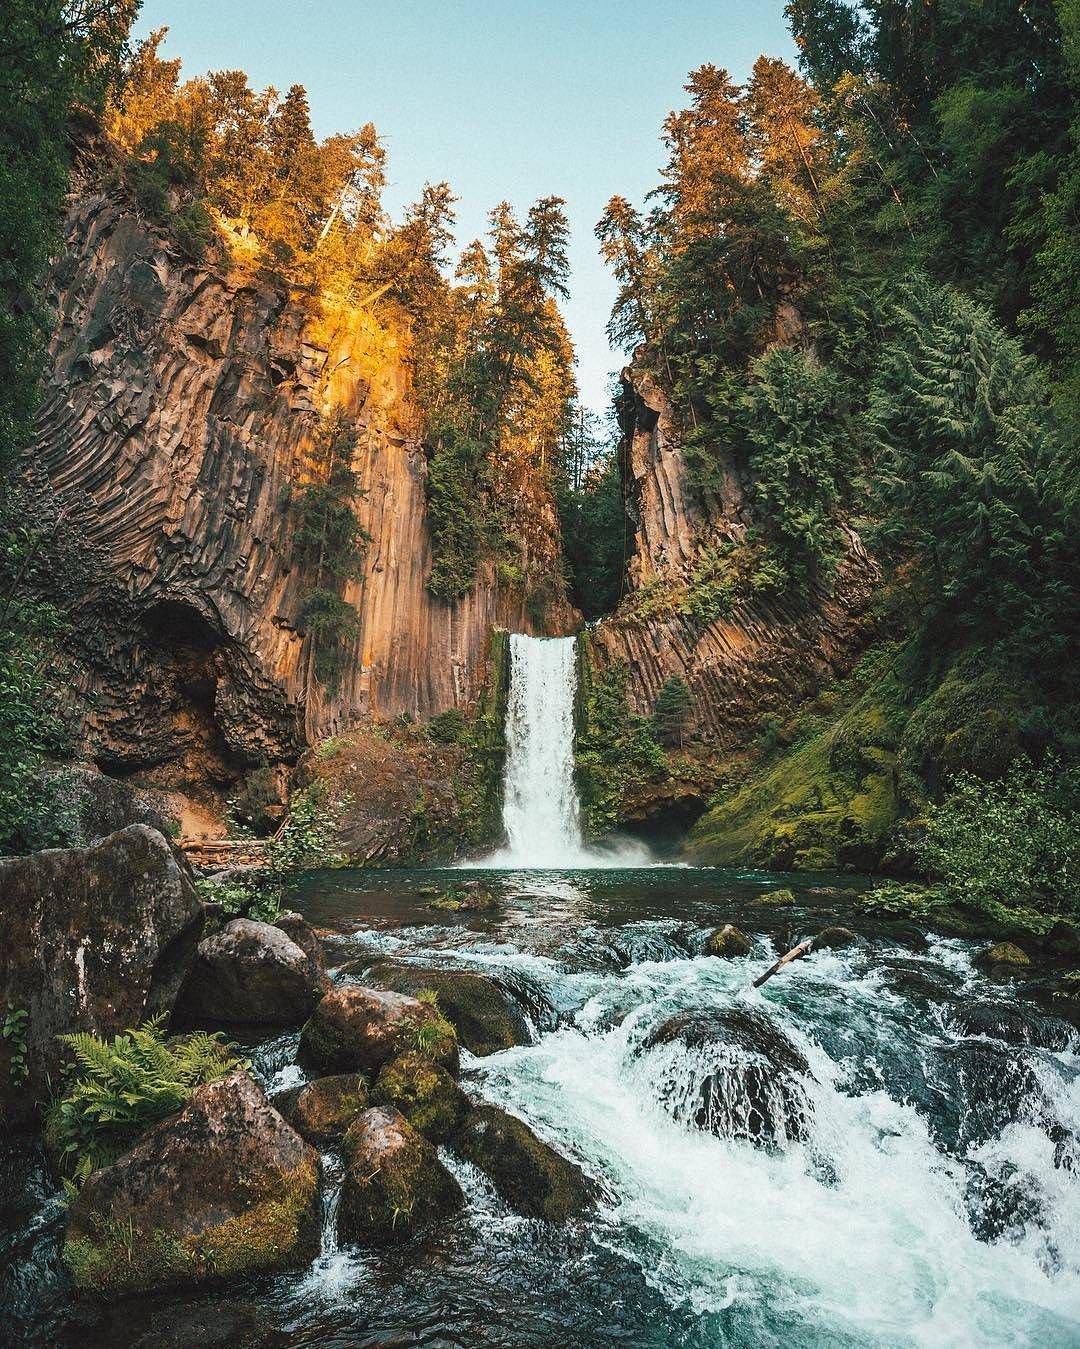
point(502, 98)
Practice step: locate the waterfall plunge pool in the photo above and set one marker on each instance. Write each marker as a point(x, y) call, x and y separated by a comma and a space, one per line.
point(932, 1199)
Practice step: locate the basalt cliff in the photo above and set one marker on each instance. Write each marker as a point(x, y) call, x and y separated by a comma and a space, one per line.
point(179, 401)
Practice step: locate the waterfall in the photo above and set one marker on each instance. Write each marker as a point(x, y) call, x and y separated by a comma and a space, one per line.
point(540, 803)
point(541, 812)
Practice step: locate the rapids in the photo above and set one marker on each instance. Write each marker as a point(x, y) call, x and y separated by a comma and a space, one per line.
point(931, 1198)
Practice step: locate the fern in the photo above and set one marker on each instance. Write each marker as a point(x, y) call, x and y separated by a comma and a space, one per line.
point(114, 1090)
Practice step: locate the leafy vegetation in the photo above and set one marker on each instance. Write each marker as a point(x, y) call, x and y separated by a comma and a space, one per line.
point(1010, 843)
point(115, 1089)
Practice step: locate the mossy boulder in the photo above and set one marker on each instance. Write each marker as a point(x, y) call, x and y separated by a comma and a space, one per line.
point(472, 897)
point(394, 1183)
point(223, 1188)
point(531, 1176)
point(325, 1108)
point(485, 1017)
point(360, 1029)
point(775, 898)
point(1004, 959)
point(728, 942)
point(424, 1093)
point(834, 938)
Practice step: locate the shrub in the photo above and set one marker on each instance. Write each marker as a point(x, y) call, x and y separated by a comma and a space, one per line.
point(116, 1089)
point(1014, 842)
point(308, 840)
point(448, 728)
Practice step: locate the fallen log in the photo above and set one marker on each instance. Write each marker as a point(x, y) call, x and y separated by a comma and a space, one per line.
point(796, 952)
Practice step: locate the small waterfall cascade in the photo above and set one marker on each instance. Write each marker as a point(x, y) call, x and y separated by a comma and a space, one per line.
point(540, 804)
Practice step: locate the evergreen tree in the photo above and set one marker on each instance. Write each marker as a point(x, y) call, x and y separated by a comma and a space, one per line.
point(672, 711)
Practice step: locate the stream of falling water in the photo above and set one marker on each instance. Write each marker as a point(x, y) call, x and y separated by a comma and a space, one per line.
point(541, 813)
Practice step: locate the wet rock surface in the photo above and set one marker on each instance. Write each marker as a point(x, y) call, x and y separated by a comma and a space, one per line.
point(225, 1187)
point(485, 1016)
point(424, 1093)
point(360, 1029)
point(728, 942)
point(323, 1110)
point(529, 1174)
point(395, 1185)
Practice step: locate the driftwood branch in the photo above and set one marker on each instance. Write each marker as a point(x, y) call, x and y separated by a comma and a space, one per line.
point(794, 954)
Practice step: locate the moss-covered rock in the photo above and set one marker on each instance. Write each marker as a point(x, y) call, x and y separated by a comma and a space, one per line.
point(728, 942)
point(834, 938)
point(424, 1093)
point(530, 1175)
point(394, 1184)
point(472, 897)
point(777, 898)
point(360, 1029)
point(325, 1108)
point(1005, 958)
point(222, 1188)
point(485, 1017)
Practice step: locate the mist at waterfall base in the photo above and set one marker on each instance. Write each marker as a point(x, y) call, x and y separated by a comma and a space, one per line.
point(541, 812)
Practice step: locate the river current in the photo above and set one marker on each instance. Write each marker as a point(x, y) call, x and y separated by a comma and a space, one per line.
point(932, 1197)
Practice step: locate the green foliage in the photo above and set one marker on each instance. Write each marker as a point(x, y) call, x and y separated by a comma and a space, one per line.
point(309, 839)
point(896, 900)
point(596, 531)
point(448, 728)
point(616, 752)
point(116, 1089)
point(256, 898)
point(1014, 842)
point(672, 710)
point(328, 542)
point(13, 1030)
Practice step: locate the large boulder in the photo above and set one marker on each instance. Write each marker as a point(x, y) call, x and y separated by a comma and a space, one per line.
point(94, 939)
point(250, 974)
point(360, 1029)
point(86, 804)
point(531, 1176)
point(732, 1072)
point(394, 1183)
point(727, 942)
point(424, 1093)
point(323, 1110)
point(485, 1016)
point(298, 929)
point(222, 1188)
point(1004, 961)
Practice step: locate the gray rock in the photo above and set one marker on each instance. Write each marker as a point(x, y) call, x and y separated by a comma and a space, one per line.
point(250, 974)
point(94, 939)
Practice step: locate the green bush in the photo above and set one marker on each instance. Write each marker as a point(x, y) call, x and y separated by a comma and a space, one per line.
point(309, 839)
point(1014, 842)
point(448, 728)
point(116, 1089)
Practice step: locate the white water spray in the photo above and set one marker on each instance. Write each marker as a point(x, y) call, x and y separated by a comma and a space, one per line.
point(540, 803)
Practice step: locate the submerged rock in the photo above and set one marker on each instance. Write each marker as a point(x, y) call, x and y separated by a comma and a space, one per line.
point(485, 1016)
point(531, 1176)
point(728, 942)
point(363, 1028)
point(775, 897)
point(472, 897)
point(424, 1093)
point(1013, 1024)
point(1005, 959)
point(323, 1110)
point(251, 974)
point(94, 939)
point(834, 938)
point(225, 1187)
point(394, 1184)
point(732, 1072)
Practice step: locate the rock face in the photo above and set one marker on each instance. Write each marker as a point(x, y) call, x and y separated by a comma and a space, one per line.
point(251, 974)
point(94, 939)
point(732, 1072)
point(395, 1185)
point(530, 1175)
point(766, 656)
point(179, 403)
point(485, 1017)
point(363, 1028)
point(222, 1188)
